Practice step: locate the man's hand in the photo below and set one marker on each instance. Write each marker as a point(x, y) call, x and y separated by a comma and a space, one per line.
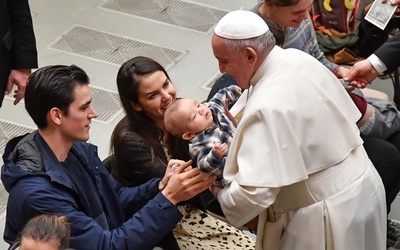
point(361, 74)
point(184, 184)
point(393, 2)
point(220, 150)
point(172, 164)
point(18, 77)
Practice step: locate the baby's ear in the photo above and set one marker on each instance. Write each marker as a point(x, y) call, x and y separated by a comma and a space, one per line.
point(188, 136)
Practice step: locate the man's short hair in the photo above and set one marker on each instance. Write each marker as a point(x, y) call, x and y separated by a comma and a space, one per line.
point(52, 87)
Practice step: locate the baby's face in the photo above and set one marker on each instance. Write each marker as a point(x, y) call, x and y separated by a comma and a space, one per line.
point(196, 116)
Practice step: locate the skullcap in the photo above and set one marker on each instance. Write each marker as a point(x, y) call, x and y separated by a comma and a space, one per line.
point(241, 24)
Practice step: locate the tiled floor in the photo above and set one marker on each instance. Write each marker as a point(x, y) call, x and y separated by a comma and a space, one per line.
point(100, 35)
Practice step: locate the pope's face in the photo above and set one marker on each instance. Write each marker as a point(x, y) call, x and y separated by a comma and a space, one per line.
point(233, 62)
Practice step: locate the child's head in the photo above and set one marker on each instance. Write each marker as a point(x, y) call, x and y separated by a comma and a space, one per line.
point(47, 231)
point(186, 117)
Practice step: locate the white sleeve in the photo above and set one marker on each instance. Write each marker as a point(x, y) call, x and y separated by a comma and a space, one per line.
point(377, 63)
point(240, 204)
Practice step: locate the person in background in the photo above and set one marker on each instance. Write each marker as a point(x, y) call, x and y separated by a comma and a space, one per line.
point(46, 231)
point(54, 171)
point(280, 166)
point(18, 53)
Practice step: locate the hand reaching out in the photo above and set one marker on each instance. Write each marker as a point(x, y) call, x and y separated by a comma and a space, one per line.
point(361, 74)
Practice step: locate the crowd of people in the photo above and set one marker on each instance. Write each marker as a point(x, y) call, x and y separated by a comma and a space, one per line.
point(189, 175)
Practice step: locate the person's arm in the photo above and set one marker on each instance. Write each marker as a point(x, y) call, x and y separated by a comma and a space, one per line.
point(226, 95)
point(315, 51)
point(389, 53)
point(385, 58)
point(245, 194)
point(309, 44)
point(154, 219)
point(361, 74)
point(224, 98)
point(202, 153)
point(24, 53)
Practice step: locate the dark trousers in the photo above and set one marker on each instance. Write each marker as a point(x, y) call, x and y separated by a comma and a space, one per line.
point(386, 158)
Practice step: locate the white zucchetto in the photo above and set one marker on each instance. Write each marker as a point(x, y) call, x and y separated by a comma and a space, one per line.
point(241, 24)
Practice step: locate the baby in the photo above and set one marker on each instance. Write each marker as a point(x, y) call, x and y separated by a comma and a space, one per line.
point(206, 126)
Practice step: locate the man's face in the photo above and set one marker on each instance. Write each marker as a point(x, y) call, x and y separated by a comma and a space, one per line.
point(76, 125)
point(194, 115)
point(235, 63)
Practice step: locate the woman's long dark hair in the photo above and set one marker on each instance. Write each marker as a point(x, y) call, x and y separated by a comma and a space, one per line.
point(128, 80)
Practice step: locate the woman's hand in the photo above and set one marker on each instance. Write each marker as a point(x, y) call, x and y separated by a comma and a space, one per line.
point(183, 183)
point(341, 72)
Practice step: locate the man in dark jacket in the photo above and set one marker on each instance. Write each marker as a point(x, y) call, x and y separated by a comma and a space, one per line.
point(54, 171)
point(18, 53)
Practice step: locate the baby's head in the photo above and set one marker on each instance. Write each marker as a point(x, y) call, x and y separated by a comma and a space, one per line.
point(186, 117)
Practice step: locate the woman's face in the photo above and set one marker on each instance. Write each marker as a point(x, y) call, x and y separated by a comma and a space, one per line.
point(291, 16)
point(155, 94)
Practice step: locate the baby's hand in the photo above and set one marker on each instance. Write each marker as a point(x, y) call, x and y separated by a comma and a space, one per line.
point(228, 113)
point(239, 89)
point(220, 150)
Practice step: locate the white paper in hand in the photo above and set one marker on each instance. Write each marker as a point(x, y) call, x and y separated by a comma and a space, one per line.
point(380, 13)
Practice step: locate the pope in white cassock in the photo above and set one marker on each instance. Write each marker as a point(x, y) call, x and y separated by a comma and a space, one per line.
point(297, 160)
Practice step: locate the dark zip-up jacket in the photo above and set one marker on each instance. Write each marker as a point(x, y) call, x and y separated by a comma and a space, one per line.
point(130, 218)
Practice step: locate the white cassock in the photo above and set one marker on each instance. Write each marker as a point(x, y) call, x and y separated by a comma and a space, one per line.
point(297, 151)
